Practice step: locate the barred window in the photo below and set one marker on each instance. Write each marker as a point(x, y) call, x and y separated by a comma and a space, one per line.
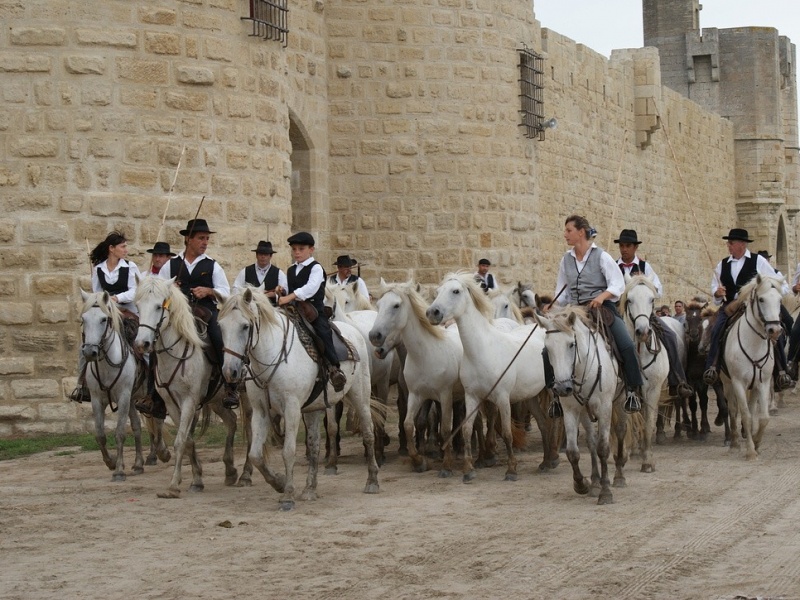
point(531, 93)
point(270, 19)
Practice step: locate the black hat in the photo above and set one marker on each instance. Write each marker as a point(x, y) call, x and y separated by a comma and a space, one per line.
point(628, 236)
point(196, 226)
point(484, 261)
point(345, 261)
point(737, 234)
point(765, 254)
point(264, 248)
point(302, 237)
point(161, 248)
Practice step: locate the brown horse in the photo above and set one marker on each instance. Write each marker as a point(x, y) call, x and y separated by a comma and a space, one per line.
point(700, 321)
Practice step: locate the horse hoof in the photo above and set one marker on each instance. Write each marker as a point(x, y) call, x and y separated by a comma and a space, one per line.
point(702, 437)
point(581, 487)
point(619, 482)
point(594, 491)
point(468, 477)
point(605, 498)
point(137, 470)
point(169, 494)
point(719, 421)
point(165, 457)
point(110, 464)
point(151, 461)
point(489, 462)
point(244, 482)
point(196, 487)
point(331, 470)
point(510, 477)
point(773, 412)
point(402, 451)
point(231, 480)
point(309, 495)
point(677, 435)
point(661, 438)
point(286, 505)
point(445, 473)
point(648, 469)
point(118, 477)
point(549, 465)
point(371, 488)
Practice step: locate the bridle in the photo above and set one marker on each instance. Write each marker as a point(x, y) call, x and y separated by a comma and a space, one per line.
point(105, 340)
point(757, 363)
point(253, 339)
point(656, 341)
point(579, 385)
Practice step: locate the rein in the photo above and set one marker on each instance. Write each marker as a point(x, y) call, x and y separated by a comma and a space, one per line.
point(103, 355)
point(657, 345)
point(246, 356)
point(756, 363)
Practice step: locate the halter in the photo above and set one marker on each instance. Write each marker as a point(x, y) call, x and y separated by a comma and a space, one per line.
point(578, 386)
point(106, 339)
point(656, 349)
point(757, 363)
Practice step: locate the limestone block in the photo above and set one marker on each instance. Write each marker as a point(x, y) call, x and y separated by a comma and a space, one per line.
point(33, 340)
point(46, 232)
point(191, 101)
point(17, 412)
point(141, 98)
point(142, 71)
point(85, 65)
point(157, 16)
point(16, 365)
point(201, 19)
point(52, 285)
point(195, 75)
point(141, 178)
point(8, 176)
point(18, 259)
point(37, 36)
point(52, 312)
point(59, 412)
point(218, 49)
point(162, 43)
point(106, 37)
point(25, 63)
point(35, 388)
point(16, 313)
point(34, 147)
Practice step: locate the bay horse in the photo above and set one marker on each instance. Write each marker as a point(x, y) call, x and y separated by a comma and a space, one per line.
point(749, 358)
point(502, 367)
point(112, 374)
point(636, 305)
point(588, 383)
point(263, 347)
point(167, 330)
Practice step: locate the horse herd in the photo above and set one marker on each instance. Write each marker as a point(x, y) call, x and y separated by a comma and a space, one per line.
point(466, 356)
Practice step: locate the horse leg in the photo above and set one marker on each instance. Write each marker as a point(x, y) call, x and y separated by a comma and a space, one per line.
point(136, 428)
point(676, 410)
point(312, 452)
point(260, 428)
point(661, 437)
point(152, 457)
point(733, 415)
point(332, 416)
point(119, 437)
point(579, 483)
point(197, 468)
point(402, 411)
point(620, 457)
point(549, 428)
point(603, 450)
point(162, 451)
point(246, 478)
point(760, 416)
point(446, 401)
point(489, 456)
point(471, 404)
point(504, 410)
point(98, 413)
point(228, 418)
point(185, 416)
point(591, 441)
point(360, 399)
point(419, 463)
point(291, 417)
point(381, 439)
point(650, 410)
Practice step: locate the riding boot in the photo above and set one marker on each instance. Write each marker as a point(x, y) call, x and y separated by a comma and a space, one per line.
point(633, 402)
point(231, 399)
point(555, 410)
point(145, 405)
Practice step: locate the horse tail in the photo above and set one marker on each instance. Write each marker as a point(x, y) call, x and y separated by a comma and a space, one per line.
point(633, 432)
point(519, 439)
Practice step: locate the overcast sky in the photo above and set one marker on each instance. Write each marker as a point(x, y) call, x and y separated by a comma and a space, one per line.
point(607, 24)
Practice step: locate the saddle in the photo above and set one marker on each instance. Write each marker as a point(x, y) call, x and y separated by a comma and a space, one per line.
point(602, 318)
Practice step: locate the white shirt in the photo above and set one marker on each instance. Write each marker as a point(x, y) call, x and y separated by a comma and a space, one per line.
point(648, 270)
point(315, 279)
point(485, 280)
point(124, 299)
point(362, 286)
point(614, 279)
point(239, 283)
point(762, 267)
point(217, 275)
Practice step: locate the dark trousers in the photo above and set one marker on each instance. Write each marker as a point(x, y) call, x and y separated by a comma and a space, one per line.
point(716, 333)
point(794, 340)
point(670, 340)
point(215, 336)
point(630, 362)
point(323, 328)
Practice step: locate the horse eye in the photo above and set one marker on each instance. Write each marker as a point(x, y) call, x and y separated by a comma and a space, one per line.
point(396, 306)
point(571, 345)
point(456, 291)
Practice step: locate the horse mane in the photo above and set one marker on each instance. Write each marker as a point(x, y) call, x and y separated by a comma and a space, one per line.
point(515, 310)
point(746, 290)
point(263, 307)
point(709, 311)
point(560, 318)
point(479, 298)
point(109, 309)
point(633, 282)
point(181, 317)
point(408, 290)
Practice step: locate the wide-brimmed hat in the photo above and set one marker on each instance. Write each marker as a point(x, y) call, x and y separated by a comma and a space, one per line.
point(484, 261)
point(737, 234)
point(345, 261)
point(765, 254)
point(161, 248)
point(196, 226)
point(628, 236)
point(264, 248)
point(302, 237)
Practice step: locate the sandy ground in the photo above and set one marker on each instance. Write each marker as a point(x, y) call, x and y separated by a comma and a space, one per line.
point(706, 524)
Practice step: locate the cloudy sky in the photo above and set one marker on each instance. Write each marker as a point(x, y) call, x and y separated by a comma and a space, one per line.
point(606, 24)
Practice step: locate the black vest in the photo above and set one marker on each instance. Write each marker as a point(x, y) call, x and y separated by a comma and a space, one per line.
point(488, 284)
point(121, 285)
point(636, 269)
point(746, 274)
point(201, 275)
point(351, 279)
point(297, 281)
point(270, 279)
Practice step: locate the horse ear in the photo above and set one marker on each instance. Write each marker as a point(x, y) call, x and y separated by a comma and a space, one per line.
point(106, 297)
point(354, 287)
point(247, 295)
point(136, 277)
point(174, 279)
point(572, 318)
point(84, 295)
point(220, 298)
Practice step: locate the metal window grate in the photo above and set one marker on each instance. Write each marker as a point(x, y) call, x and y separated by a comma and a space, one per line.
point(531, 93)
point(270, 19)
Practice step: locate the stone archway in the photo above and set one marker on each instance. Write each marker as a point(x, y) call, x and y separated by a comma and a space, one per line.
point(781, 261)
point(301, 159)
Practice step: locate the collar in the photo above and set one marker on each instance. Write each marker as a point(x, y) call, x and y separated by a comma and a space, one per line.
point(745, 255)
point(306, 262)
point(572, 251)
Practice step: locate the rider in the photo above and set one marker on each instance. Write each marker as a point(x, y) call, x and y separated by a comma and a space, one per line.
point(588, 276)
point(263, 272)
point(730, 275)
point(307, 283)
point(483, 277)
point(630, 264)
point(344, 275)
point(112, 273)
point(199, 276)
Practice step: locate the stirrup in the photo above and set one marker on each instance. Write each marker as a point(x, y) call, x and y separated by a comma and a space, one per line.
point(632, 402)
point(710, 376)
point(555, 410)
point(337, 378)
point(783, 382)
point(791, 369)
point(80, 394)
point(231, 399)
point(145, 405)
point(685, 390)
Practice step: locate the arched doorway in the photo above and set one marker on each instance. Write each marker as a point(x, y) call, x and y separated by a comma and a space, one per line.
point(301, 158)
point(781, 251)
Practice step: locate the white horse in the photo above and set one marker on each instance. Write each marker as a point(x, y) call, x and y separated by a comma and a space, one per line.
point(587, 381)
point(499, 366)
point(504, 308)
point(636, 305)
point(167, 330)
point(432, 362)
point(111, 375)
point(262, 345)
point(749, 360)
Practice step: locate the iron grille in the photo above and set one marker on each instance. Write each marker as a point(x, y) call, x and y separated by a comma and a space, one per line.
point(270, 19)
point(531, 93)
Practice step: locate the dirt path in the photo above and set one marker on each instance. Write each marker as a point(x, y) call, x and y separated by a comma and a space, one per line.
point(706, 524)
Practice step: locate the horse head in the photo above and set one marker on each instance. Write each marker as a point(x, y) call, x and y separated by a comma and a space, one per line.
point(239, 322)
point(564, 330)
point(400, 305)
point(503, 307)
point(693, 325)
point(763, 296)
point(457, 294)
point(161, 305)
point(99, 319)
point(637, 303)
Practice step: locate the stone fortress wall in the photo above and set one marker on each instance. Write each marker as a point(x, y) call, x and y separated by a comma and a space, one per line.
point(389, 130)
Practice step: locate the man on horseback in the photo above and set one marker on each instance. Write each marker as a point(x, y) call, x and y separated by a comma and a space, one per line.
point(306, 279)
point(263, 272)
point(730, 275)
point(630, 264)
point(199, 276)
point(344, 275)
point(589, 276)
